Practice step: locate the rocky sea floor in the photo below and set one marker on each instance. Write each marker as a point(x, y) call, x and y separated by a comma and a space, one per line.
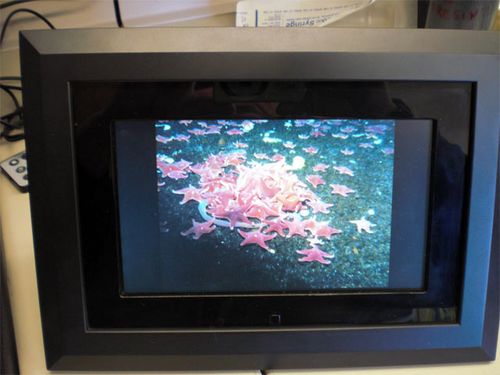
point(278, 205)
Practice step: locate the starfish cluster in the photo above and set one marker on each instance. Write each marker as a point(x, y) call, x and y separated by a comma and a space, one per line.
point(263, 198)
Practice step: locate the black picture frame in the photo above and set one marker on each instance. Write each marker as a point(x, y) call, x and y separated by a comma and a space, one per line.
point(52, 60)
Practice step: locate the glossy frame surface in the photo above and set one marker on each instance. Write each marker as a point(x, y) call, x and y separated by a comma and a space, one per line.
point(108, 308)
point(53, 59)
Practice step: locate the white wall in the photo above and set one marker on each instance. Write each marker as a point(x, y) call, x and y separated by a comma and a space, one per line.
point(146, 13)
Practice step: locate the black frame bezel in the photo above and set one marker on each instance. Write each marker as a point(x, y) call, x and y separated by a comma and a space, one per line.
point(52, 59)
point(106, 306)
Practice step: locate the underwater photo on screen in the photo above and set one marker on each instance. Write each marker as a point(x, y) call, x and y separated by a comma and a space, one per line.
point(290, 205)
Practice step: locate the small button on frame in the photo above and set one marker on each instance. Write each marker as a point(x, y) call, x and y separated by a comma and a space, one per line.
point(275, 319)
point(20, 169)
point(14, 162)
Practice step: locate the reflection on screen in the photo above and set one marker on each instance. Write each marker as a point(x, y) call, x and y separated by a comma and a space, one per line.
point(275, 205)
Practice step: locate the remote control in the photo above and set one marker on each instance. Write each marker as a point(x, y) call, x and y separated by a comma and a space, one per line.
point(16, 169)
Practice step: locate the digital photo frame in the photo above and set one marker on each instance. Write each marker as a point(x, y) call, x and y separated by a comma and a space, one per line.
point(259, 199)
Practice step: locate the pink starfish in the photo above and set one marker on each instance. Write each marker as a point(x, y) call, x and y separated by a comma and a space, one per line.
point(199, 229)
point(234, 159)
point(310, 224)
point(261, 211)
point(278, 157)
point(315, 180)
point(190, 194)
point(182, 164)
point(344, 170)
point(236, 214)
point(213, 129)
point(388, 151)
point(341, 136)
point(348, 129)
point(314, 254)
point(347, 152)
point(185, 122)
point(277, 226)
point(365, 145)
point(165, 168)
point(177, 175)
point(261, 156)
point(322, 229)
point(240, 145)
point(341, 190)
point(162, 139)
point(303, 136)
point(234, 132)
point(317, 133)
point(257, 238)
point(182, 137)
point(376, 129)
point(320, 167)
point(363, 225)
point(299, 123)
point(289, 145)
point(246, 123)
point(197, 169)
point(296, 227)
point(319, 206)
point(310, 150)
point(197, 131)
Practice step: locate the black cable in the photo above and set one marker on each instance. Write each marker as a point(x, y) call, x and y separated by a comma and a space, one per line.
point(21, 10)
point(118, 14)
point(6, 120)
point(13, 3)
point(11, 138)
point(10, 125)
point(10, 78)
point(10, 87)
point(12, 96)
point(11, 115)
point(6, 124)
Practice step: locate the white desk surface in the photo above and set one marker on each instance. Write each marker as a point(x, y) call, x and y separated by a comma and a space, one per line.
point(15, 231)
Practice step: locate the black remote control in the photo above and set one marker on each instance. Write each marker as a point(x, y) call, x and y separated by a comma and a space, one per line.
point(16, 169)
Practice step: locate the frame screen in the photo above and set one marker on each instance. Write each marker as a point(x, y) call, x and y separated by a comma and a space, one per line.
point(272, 205)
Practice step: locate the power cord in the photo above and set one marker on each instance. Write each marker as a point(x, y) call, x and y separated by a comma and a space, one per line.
point(13, 2)
point(22, 10)
point(14, 120)
point(118, 14)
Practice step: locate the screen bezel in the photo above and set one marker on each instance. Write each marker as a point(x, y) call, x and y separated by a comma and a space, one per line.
point(107, 308)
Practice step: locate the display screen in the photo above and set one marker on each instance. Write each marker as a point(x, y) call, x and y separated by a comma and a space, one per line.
point(272, 205)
